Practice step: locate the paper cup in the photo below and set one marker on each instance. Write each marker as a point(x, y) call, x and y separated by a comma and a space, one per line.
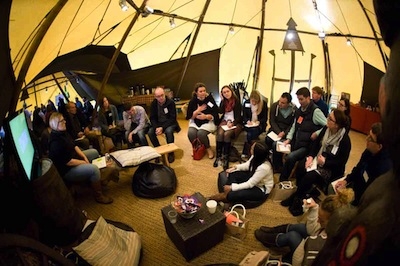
point(172, 216)
point(211, 206)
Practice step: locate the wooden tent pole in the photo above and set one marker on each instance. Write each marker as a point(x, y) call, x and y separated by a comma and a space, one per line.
point(385, 62)
point(257, 74)
point(185, 66)
point(115, 56)
point(32, 50)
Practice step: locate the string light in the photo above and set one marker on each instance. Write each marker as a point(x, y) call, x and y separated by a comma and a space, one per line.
point(321, 35)
point(123, 5)
point(172, 22)
point(231, 30)
point(348, 41)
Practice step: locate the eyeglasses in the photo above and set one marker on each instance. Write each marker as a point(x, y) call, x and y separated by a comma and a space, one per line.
point(330, 119)
point(371, 139)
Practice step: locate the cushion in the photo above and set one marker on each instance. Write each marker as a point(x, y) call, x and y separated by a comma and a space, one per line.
point(135, 156)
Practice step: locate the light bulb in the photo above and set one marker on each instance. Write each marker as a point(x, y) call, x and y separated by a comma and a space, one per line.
point(123, 5)
point(231, 30)
point(348, 41)
point(172, 22)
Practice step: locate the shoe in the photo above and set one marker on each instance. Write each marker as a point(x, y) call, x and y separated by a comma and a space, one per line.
point(289, 201)
point(216, 162)
point(171, 157)
point(296, 208)
point(276, 229)
point(210, 153)
point(267, 239)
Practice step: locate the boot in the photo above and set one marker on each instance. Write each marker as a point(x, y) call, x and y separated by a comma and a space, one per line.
point(246, 149)
point(296, 209)
point(267, 239)
point(109, 174)
point(219, 197)
point(98, 194)
point(277, 229)
point(289, 201)
point(227, 150)
point(219, 153)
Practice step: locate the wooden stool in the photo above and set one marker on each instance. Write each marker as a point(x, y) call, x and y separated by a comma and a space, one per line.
point(164, 150)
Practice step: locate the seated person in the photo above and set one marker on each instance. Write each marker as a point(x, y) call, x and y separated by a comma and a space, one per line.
point(255, 117)
point(317, 94)
point(294, 235)
point(252, 180)
point(344, 105)
point(374, 162)
point(163, 119)
point(308, 119)
point(281, 117)
point(330, 152)
point(71, 162)
point(79, 130)
point(108, 122)
point(231, 111)
point(203, 117)
point(136, 124)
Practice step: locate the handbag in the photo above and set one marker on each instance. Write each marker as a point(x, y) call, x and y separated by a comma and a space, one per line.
point(199, 149)
point(282, 191)
point(236, 224)
point(255, 258)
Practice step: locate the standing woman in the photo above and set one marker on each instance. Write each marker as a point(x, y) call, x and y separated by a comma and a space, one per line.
point(231, 110)
point(203, 117)
point(254, 118)
point(71, 162)
point(344, 105)
point(108, 121)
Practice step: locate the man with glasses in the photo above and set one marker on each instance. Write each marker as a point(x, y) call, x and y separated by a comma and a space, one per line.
point(136, 124)
point(374, 162)
point(163, 119)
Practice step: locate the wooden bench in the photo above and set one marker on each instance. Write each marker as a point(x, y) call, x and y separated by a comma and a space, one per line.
point(164, 150)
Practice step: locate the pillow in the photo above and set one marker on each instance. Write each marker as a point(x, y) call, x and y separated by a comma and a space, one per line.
point(135, 156)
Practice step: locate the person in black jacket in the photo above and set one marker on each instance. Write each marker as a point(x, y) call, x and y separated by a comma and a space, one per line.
point(254, 119)
point(374, 161)
point(230, 126)
point(325, 162)
point(163, 119)
point(203, 117)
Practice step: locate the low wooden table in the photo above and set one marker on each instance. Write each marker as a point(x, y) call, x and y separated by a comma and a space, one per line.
point(198, 234)
point(164, 150)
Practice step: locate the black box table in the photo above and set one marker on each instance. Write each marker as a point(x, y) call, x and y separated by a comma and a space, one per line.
point(198, 234)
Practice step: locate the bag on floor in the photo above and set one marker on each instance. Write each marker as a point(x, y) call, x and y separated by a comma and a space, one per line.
point(255, 258)
point(236, 223)
point(282, 191)
point(199, 149)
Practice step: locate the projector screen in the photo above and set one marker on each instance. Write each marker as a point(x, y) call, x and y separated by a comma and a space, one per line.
point(18, 128)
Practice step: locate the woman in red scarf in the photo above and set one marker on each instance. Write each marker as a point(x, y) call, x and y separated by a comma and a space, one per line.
point(230, 125)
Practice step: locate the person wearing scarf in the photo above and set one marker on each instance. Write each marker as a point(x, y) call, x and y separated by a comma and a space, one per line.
point(330, 151)
point(231, 110)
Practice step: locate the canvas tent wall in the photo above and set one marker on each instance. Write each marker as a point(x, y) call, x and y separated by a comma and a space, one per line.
point(152, 41)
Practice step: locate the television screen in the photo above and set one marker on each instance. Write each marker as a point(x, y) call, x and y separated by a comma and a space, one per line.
point(22, 142)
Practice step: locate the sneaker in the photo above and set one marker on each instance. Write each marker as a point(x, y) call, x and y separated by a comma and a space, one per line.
point(171, 157)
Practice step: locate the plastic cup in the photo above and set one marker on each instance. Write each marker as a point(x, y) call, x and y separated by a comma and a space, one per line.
point(211, 206)
point(172, 216)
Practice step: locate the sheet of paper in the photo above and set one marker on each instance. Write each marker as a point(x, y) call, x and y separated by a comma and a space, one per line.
point(226, 128)
point(281, 147)
point(337, 180)
point(313, 166)
point(100, 162)
point(80, 138)
point(272, 135)
point(252, 124)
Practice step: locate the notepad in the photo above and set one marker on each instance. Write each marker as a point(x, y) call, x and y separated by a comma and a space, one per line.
point(281, 147)
point(272, 135)
point(226, 128)
point(100, 162)
point(313, 166)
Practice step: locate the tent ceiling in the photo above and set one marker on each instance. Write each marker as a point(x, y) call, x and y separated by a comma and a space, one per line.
point(153, 41)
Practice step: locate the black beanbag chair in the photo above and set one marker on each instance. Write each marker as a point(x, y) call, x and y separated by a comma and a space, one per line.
point(154, 181)
point(223, 179)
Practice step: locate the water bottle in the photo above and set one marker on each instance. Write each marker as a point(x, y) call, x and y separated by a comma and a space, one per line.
point(107, 155)
point(305, 206)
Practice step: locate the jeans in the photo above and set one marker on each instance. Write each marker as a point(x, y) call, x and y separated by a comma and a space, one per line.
point(290, 161)
point(252, 133)
point(202, 134)
point(295, 234)
point(169, 134)
point(91, 154)
point(139, 137)
point(84, 172)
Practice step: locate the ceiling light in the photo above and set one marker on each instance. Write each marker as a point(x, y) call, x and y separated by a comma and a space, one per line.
point(348, 41)
point(231, 30)
point(124, 6)
point(147, 11)
point(172, 22)
point(321, 35)
point(289, 35)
